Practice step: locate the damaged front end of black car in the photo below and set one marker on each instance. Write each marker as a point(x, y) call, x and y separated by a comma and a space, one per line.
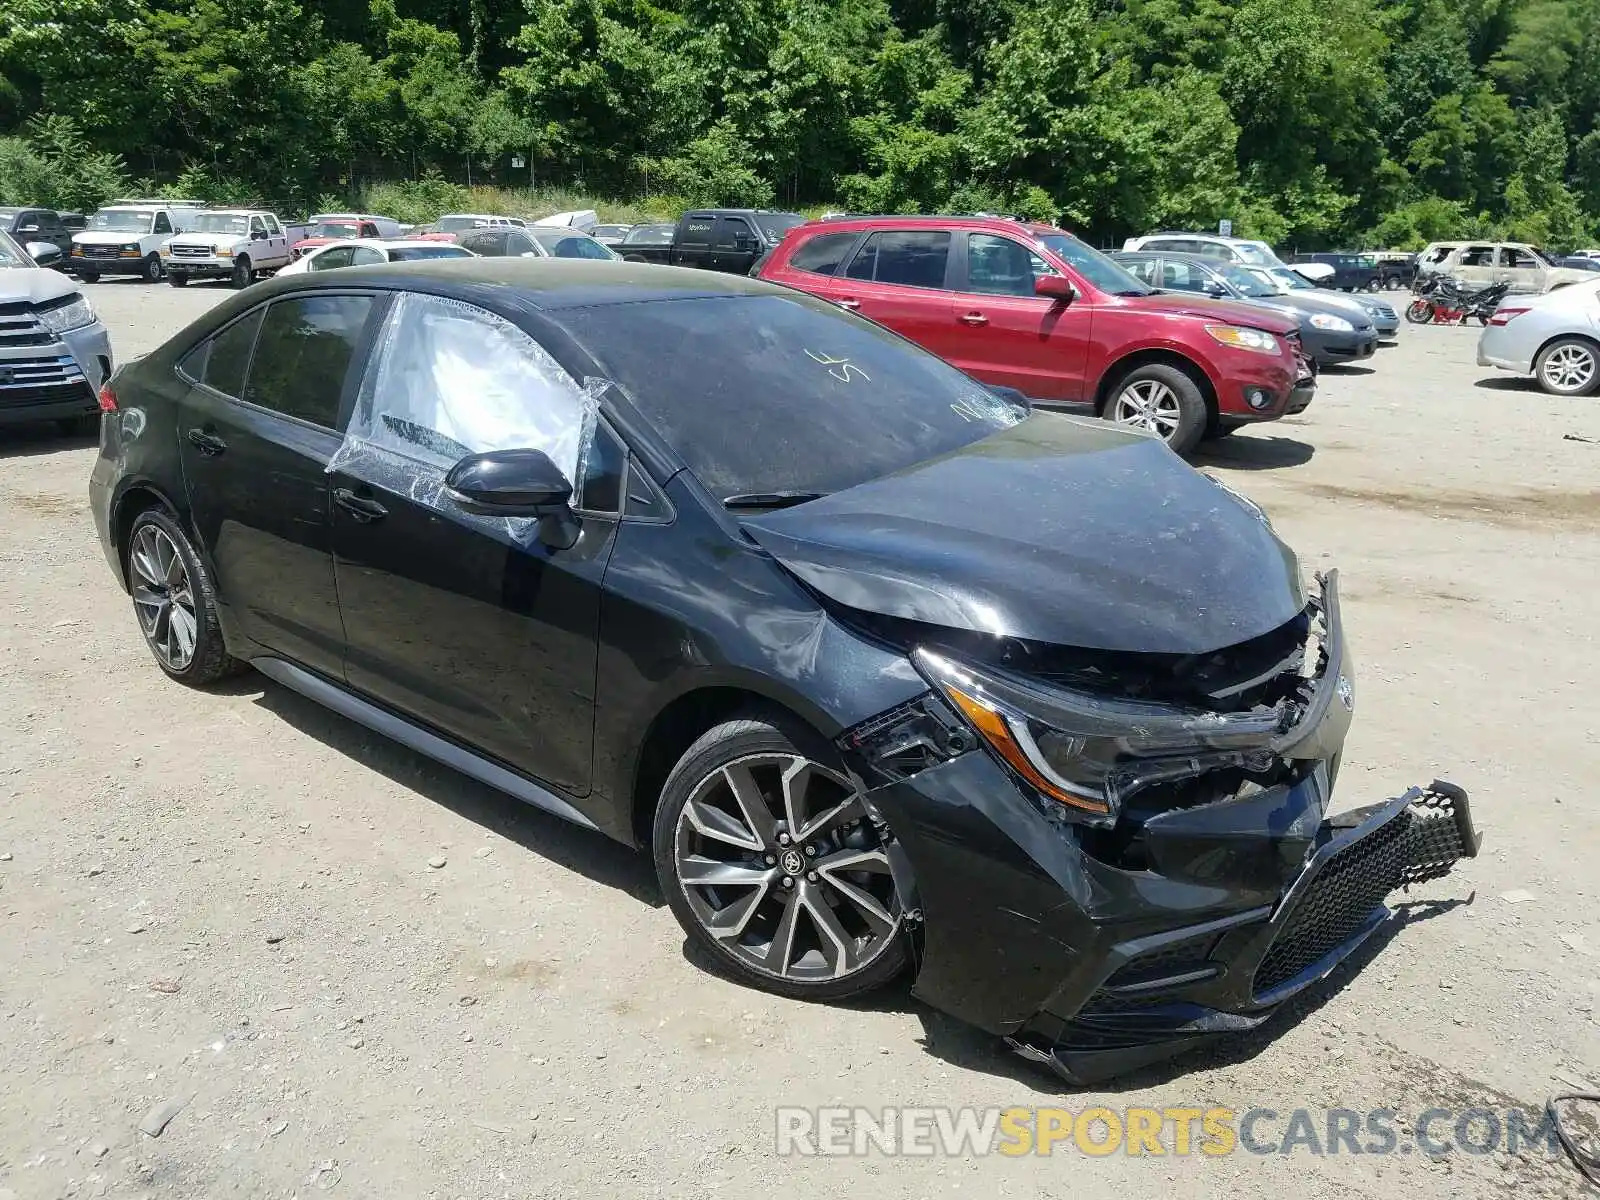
point(1174, 874)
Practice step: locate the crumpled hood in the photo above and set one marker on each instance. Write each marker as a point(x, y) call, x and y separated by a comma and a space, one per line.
point(35, 285)
point(1232, 312)
point(1056, 530)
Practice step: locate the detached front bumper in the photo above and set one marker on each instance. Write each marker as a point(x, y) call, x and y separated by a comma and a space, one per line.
point(1098, 950)
point(1169, 992)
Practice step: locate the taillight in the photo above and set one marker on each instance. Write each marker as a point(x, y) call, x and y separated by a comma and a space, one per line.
point(1504, 316)
point(108, 398)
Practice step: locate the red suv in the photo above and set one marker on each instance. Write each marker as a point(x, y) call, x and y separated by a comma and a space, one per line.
point(1033, 308)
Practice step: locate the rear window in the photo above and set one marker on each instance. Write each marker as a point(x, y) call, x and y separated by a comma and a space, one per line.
point(822, 254)
point(813, 400)
point(915, 258)
point(229, 356)
point(303, 355)
point(417, 253)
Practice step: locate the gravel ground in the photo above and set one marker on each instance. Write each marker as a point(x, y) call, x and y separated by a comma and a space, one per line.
point(225, 900)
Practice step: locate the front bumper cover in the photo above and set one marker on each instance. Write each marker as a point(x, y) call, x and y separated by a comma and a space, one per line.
point(1173, 991)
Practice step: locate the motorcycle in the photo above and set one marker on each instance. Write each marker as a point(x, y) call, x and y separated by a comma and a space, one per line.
point(1442, 300)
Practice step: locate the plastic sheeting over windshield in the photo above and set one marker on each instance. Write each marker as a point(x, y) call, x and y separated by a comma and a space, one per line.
point(454, 380)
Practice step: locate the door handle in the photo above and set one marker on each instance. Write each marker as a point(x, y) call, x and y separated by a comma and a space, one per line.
point(974, 318)
point(359, 507)
point(849, 305)
point(206, 443)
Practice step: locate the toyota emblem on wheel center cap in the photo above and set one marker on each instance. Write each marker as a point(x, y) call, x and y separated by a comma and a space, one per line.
point(792, 862)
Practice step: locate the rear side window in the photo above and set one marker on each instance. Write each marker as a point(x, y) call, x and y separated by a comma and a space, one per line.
point(910, 259)
point(229, 356)
point(697, 231)
point(303, 355)
point(821, 255)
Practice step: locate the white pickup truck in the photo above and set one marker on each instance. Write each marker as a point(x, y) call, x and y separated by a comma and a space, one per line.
point(239, 243)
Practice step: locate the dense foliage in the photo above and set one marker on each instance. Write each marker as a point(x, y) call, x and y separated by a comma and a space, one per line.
point(1310, 122)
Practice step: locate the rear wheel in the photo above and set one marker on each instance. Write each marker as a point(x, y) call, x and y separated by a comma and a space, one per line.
point(1163, 400)
point(1568, 366)
point(175, 602)
point(773, 866)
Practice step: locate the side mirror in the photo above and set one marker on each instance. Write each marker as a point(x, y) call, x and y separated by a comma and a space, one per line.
point(1213, 288)
point(510, 483)
point(46, 254)
point(1057, 287)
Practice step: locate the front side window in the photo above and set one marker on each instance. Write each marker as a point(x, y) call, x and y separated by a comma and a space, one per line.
point(1001, 266)
point(257, 225)
point(1099, 270)
point(518, 245)
point(1477, 256)
point(1510, 256)
point(734, 233)
point(162, 224)
point(572, 245)
point(229, 356)
point(809, 399)
point(303, 354)
point(914, 258)
point(453, 379)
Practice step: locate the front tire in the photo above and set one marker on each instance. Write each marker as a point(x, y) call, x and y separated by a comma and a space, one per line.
point(773, 866)
point(153, 270)
point(1419, 312)
point(89, 276)
point(175, 603)
point(1163, 400)
point(177, 279)
point(241, 273)
point(1568, 366)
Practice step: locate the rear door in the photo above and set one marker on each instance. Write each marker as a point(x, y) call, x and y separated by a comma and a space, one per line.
point(256, 432)
point(692, 245)
point(1001, 332)
point(901, 279)
point(1475, 265)
point(472, 625)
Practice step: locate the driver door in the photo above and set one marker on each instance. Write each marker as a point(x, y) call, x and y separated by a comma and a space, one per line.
point(469, 624)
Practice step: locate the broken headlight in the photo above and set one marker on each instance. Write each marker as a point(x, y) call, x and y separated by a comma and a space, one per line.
point(1086, 753)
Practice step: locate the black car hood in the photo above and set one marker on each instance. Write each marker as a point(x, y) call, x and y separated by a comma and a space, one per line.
point(1056, 530)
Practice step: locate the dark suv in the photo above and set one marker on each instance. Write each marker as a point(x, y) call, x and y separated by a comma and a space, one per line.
point(32, 225)
point(1033, 308)
point(890, 674)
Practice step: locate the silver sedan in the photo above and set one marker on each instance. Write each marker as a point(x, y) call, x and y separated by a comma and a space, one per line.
point(1554, 337)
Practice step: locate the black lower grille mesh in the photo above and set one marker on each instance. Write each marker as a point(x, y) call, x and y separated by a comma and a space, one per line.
point(50, 393)
point(1333, 907)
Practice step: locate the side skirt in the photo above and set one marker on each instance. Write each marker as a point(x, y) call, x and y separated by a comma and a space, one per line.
point(379, 720)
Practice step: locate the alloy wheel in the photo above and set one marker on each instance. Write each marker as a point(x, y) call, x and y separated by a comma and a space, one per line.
point(1568, 369)
point(163, 597)
point(781, 864)
point(1149, 404)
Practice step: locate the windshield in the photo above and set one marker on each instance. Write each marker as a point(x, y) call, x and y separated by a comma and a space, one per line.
point(1245, 282)
point(418, 253)
point(335, 229)
point(451, 224)
point(221, 223)
point(1543, 255)
point(1256, 254)
point(775, 225)
point(11, 254)
point(649, 235)
point(1289, 281)
point(572, 245)
point(123, 220)
point(1092, 265)
point(812, 400)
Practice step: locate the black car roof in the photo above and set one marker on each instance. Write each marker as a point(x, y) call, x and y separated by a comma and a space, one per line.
point(544, 283)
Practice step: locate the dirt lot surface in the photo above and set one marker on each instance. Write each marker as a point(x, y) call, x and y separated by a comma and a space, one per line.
point(225, 900)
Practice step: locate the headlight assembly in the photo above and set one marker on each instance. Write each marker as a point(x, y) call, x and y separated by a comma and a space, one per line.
point(1242, 337)
point(1332, 323)
point(75, 314)
point(1084, 754)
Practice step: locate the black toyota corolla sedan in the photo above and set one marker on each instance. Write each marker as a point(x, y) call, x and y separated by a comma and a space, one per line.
point(889, 674)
